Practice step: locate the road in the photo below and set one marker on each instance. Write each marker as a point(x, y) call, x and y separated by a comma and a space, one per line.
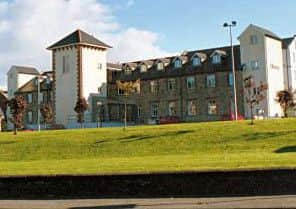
point(165, 203)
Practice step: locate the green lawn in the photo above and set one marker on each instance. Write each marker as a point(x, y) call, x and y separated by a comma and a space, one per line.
point(181, 147)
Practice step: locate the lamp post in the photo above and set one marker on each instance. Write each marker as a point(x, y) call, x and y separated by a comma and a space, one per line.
point(230, 26)
point(99, 104)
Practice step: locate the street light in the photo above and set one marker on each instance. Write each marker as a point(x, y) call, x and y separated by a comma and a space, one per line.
point(230, 25)
point(99, 119)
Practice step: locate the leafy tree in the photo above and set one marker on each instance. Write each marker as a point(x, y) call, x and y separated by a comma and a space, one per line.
point(286, 100)
point(253, 93)
point(80, 108)
point(128, 87)
point(47, 113)
point(17, 106)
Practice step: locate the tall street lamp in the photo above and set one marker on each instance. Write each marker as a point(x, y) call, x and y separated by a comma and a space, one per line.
point(230, 25)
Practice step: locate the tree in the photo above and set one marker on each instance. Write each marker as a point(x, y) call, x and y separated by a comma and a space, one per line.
point(254, 94)
point(80, 108)
point(286, 100)
point(17, 106)
point(128, 87)
point(47, 113)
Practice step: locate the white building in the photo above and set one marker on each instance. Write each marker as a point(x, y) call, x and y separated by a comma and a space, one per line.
point(17, 76)
point(262, 58)
point(79, 67)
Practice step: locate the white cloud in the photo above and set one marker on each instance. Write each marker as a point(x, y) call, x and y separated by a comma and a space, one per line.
point(27, 27)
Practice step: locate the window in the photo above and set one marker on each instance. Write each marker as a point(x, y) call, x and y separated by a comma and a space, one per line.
point(212, 108)
point(216, 59)
point(154, 86)
point(143, 68)
point(66, 66)
point(41, 96)
point(120, 92)
point(230, 79)
point(294, 57)
point(191, 108)
point(128, 71)
point(172, 109)
point(154, 110)
point(100, 66)
point(253, 39)
point(29, 98)
point(196, 61)
point(30, 117)
point(160, 66)
point(172, 84)
point(211, 81)
point(190, 81)
point(254, 64)
point(11, 75)
point(178, 63)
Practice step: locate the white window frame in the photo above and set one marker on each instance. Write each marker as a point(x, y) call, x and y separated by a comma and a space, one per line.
point(143, 68)
point(254, 64)
point(30, 117)
point(178, 63)
point(211, 81)
point(66, 64)
point(196, 61)
point(191, 107)
point(172, 83)
point(216, 59)
point(253, 39)
point(172, 108)
point(154, 87)
point(127, 71)
point(212, 107)
point(160, 66)
point(30, 98)
point(154, 110)
point(190, 82)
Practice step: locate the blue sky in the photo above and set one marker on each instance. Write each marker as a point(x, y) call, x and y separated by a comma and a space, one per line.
point(137, 29)
point(191, 24)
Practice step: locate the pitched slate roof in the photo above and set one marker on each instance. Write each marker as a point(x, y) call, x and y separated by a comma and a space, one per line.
point(79, 37)
point(25, 70)
point(287, 42)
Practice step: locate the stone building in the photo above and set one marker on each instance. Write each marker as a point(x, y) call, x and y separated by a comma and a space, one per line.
point(195, 86)
point(192, 86)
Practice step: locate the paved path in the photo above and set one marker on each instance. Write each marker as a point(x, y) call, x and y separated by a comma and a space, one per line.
point(166, 203)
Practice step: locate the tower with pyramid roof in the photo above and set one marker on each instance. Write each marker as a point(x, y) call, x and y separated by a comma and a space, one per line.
point(79, 67)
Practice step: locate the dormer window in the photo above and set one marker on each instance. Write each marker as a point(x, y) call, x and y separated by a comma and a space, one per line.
point(196, 61)
point(216, 59)
point(143, 68)
point(160, 66)
point(178, 63)
point(128, 71)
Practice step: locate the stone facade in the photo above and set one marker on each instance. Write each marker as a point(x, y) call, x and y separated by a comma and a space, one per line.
point(173, 96)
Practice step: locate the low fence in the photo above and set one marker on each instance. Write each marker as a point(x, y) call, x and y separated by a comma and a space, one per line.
point(189, 184)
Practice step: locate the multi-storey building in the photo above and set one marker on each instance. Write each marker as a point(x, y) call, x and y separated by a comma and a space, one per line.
point(193, 86)
point(35, 97)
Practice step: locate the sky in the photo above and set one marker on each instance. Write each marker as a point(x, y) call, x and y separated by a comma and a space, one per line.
point(137, 29)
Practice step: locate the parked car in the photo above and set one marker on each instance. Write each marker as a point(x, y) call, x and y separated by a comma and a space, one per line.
point(169, 119)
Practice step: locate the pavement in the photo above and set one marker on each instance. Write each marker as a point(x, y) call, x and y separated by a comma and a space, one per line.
point(275, 202)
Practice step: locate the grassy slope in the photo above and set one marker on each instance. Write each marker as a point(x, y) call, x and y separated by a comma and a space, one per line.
point(195, 146)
